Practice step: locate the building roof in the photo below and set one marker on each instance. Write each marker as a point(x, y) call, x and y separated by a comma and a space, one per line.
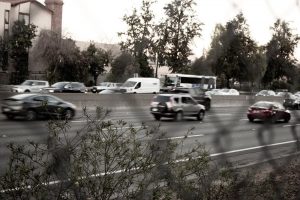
point(17, 2)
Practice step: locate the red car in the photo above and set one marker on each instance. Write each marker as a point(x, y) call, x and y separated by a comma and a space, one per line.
point(268, 111)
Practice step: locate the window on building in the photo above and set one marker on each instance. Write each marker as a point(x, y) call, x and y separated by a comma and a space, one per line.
point(6, 17)
point(24, 17)
point(6, 24)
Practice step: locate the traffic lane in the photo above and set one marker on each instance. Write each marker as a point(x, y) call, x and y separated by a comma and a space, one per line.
point(217, 139)
point(219, 119)
point(22, 131)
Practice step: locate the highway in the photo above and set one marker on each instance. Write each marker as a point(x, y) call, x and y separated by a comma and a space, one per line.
point(225, 132)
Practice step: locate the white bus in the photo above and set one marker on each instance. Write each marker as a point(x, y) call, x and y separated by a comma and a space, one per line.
point(190, 81)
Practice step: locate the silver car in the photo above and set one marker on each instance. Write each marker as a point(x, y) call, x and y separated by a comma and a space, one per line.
point(176, 106)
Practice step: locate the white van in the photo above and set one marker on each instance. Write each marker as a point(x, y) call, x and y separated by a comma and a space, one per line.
point(141, 85)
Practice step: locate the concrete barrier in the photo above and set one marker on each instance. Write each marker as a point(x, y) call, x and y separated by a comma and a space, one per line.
point(91, 100)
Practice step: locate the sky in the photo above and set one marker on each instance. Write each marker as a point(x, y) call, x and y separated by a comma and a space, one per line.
point(101, 20)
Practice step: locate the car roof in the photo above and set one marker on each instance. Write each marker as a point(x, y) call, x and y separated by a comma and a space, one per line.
point(175, 95)
point(266, 102)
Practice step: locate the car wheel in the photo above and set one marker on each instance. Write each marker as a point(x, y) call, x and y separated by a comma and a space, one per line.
point(30, 115)
point(69, 114)
point(10, 116)
point(287, 119)
point(273, 119)
point(178, 116)
point(200, 115)
point(207, 104)
point(250, 119)
point(27, 91)
point(157, 117)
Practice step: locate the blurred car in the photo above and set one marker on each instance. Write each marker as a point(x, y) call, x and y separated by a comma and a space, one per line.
point(297, 94)
point(176, 106)
point(212, 92)
point(33, 106)
point(226, 91)
point(110, 91)
point(105, 86)
point(198, 94)
point(67, 87)
point(30, 86)
point(291, 101)
point(266, 93)
point(268, 111)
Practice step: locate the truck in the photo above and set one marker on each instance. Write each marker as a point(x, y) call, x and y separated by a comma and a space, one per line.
point(141, 85)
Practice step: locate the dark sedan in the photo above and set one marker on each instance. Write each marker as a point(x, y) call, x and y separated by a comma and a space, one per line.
point(67, 87)
point(33, 106)
point(268, 111)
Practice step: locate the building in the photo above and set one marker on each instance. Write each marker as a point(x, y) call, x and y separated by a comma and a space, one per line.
point(45, 17)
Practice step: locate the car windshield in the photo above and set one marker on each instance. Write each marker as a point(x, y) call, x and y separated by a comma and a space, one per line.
point(59, 84)
point(28, 83)
point(129, 84)
point(161, 98)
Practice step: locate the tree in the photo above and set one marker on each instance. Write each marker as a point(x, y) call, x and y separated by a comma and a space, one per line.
point(96, 59)
point(20, 42)
point(119, 67)
point(64, 59)
point(201, 67)
point(138, 38)
point(180, 28)
point(232, 51)
point(280, 54)
point(3, 54)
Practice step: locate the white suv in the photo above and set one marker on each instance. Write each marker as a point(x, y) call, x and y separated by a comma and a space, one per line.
point(30, 86)
point(176, 106)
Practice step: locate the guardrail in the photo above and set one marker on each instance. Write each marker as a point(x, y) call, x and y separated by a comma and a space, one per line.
point(91, 100)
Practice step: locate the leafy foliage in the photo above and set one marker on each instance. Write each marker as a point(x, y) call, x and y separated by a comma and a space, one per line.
point(280, 54)
point(138, 38)
point(3, 54)
point(63, 57)
point(201, 67)
point(96, 59)
point(20, 41)
point(120, 68)
point(233, 53)
point(179, 29)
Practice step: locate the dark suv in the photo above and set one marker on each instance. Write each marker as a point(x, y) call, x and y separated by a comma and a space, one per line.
point(176, 106)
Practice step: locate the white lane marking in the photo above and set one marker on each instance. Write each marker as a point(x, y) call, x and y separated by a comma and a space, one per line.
point(289, 125)
point(181, 137)
point(253, 148)
point(222, 114)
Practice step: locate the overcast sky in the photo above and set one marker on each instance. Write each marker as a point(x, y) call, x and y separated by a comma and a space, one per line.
point(101, 20)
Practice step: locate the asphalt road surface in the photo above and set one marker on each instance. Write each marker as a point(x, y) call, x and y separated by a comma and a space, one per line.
point(225, 132)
